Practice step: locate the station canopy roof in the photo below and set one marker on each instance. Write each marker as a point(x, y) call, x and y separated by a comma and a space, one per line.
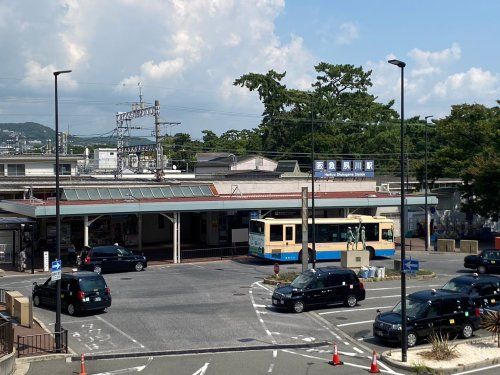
point(135, 193)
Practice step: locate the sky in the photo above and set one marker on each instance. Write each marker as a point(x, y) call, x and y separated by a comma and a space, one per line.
point(187, 54)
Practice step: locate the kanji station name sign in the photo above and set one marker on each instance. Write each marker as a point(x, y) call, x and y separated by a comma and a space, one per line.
point(344, 168)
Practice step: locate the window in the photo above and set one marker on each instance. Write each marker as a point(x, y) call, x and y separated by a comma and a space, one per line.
point(256, 227)
point(450, 306)
point(89, 284)
point(289, 233)
point(387, 235)
point(2, 170)
point(325, 232)
point(433, 310)
point(276, 233)
point(123, 252)
point(371, 232)
point(16, 169)
point(319, 283)
point(64, 169)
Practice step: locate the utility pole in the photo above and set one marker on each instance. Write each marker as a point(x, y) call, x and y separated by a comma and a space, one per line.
point(305, 234)
point(312, 190)
point(427, 229)
point(159, 147)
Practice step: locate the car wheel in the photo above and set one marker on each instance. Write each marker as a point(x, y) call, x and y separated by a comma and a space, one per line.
point(467, 331)
point(351, 300)
point(481, 269)
point(97, 269)
point(36, 301)
point(299, 306)
point(71, 309)
point(411, 339)
point(139, 266)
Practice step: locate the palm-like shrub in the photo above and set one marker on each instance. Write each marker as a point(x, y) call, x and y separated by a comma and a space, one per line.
point(491, 323)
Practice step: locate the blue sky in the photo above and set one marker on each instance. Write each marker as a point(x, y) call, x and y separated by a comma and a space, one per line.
point(187, 54)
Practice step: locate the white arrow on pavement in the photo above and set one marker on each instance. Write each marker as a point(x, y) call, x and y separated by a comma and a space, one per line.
point(202, 370)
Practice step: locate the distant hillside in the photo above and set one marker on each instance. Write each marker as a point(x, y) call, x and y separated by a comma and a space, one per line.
point(33, 131)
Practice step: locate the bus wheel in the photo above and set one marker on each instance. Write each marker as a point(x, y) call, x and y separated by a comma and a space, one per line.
point(372, 252)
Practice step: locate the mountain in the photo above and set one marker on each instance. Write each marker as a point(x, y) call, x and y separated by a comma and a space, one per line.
point(32, 131)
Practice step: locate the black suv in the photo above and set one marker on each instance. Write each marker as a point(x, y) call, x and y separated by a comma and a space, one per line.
point(80, 291)
point(111, 259)
point(485, 262)
point(483, 289)
point(320, 286)
point(429, 311)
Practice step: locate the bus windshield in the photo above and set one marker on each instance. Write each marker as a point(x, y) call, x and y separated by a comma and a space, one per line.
point(302, 281)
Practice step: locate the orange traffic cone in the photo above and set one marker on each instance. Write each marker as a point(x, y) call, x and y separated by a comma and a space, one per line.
point(83, 371)
point(336, 357)
point(374, 367)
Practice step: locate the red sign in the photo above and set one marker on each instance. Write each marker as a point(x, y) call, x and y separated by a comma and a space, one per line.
point(276, 268)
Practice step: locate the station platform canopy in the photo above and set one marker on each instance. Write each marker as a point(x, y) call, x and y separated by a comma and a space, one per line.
point(191, 198)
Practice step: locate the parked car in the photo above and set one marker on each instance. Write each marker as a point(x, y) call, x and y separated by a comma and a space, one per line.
point(487, 261)
point(429, 311)
point(80, 292)
point(112, 259)
point(318, 287)
point(483, 289)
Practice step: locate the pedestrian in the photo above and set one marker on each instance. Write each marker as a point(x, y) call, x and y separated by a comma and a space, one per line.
point(71, 254)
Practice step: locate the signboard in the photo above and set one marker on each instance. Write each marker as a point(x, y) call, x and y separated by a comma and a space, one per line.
point(344, 169)
point(45, 261)
point(55, 270)
point(410, 265)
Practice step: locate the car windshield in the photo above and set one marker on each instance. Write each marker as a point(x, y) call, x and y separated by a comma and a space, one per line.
point(89, 284)
point(457, 286)
point(122, 251)
point(414, 308)
point(302, 280)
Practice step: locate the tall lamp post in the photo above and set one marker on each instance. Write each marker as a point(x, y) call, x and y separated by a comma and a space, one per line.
point(404, 338)
point(312, 190)
point(58, 217)
point(427, 231)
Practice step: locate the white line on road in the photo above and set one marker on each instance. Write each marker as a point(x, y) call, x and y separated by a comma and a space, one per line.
point(365, 338)
point(391, 296)
point(262, 286)
point(354, 323)
point(358, 350)
point(202, 370)
point(257, 305)
point(477, 369)
point(408, 287)
point(354, 310)
point(127, 370)
point(271, 366)
point(120, 331)
point(275, 353)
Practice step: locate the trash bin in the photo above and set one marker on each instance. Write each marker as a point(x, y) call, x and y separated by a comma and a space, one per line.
point(372, 271)
point(363, 273)
point(380, 272)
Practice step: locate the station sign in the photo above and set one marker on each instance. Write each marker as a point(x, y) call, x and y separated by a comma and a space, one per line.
point(344, 168)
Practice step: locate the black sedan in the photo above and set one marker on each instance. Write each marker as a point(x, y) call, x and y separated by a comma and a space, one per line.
point(488, 261)
point(80, 292)
point(113, 259)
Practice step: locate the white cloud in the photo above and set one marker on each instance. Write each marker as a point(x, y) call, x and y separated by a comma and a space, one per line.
point(428, 63)
point(348, 33)
point(38, 76)
point(474, 83)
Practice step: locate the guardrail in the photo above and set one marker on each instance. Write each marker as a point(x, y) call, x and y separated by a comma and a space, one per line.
point(41, 343)
point(215, 252)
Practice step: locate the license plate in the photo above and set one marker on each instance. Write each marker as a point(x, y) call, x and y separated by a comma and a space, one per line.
point(275, 301)
point(282, 302)
point(97, 299)
point(379, 333)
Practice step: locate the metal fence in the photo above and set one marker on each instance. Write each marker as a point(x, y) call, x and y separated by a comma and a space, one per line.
point(215, 252)
point(2, 295)
point(41, 344)
point(6, 338)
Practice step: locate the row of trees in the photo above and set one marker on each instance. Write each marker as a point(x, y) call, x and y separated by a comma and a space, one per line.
point(348, 121)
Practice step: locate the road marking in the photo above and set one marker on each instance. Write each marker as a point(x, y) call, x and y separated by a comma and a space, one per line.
point(391, 296)
point(346, 343)
point(408, 287)
point(202, 370)
point(353, 310)
point(275, 353)
point(477, 369)
point(120, 331)
point(358, 350)
point(271, 366)
point(262, 286)
point(345, 363)
point(75, 321)
point(257, 305)
point(365, 338)
point(127, 370)
point(260, 319)
point(354, 323)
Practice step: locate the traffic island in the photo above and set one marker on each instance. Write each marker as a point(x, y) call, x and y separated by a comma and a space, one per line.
point(284, 278)
point(466, 355)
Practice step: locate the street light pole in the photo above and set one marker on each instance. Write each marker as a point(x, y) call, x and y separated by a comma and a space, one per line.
point(312, 191)
point(426, 232)
point(404, 338)
point(58, 218)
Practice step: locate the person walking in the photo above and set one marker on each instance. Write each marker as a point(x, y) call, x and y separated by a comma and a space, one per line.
point(71, 254)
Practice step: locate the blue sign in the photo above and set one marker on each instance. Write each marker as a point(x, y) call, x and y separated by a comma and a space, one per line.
point(319, 165)
point(369, 165)
point(56, 266)
point(254, 215)
point(357, 165)
point(331, 165)
point(346, 166)
point(410, 265)
point(347, 169)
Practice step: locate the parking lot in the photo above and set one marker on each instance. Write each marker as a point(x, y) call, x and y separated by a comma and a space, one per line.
point(224, 304)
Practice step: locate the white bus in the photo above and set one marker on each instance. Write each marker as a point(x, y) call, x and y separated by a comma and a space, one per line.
point(281, 239)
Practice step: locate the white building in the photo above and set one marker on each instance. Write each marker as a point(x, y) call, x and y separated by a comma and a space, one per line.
point(105, 158)
point(222, 163)
point(37, 165)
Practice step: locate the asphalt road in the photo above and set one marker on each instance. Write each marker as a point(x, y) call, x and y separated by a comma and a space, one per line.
point(224, 304)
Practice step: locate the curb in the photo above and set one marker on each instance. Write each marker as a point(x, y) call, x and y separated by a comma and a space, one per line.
point(41, 358)
point(162, 353)
point(388, 360)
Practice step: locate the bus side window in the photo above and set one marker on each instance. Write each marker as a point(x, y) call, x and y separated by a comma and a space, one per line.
point(387, 235)
point(372, 232)
point(343, 232)
point(298, 233)
point(276, 233)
